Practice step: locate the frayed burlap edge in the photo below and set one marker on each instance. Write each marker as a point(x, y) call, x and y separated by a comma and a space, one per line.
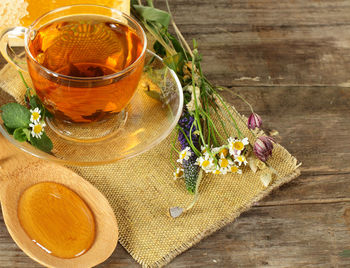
point(220, 224)
point(229, 219)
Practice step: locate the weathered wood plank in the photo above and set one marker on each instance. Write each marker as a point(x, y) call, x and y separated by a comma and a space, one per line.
point(313, 122)
point(283, 236)
point(269, 42)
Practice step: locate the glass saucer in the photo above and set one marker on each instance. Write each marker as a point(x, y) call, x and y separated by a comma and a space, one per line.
point(148, 119)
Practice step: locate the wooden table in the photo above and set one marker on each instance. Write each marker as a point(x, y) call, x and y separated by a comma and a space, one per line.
point(291, 60)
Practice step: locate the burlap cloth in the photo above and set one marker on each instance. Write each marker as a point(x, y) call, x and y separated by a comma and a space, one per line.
point(141, 190)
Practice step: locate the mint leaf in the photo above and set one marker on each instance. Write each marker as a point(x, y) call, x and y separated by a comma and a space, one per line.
point(15, 115)
point(153, 14)
point(27, 132)
point(9, 130)
point(21, 134)
point(44, 143)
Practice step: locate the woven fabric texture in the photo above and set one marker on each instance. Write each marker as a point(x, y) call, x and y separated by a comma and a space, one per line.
point(141, 190)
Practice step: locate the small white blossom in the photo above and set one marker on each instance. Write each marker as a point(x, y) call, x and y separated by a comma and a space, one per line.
point(241, 159)
point(179, 173)
point(185, 154)
point(235, 169)
point(206, 162)
point(35, 115)
point(236, 146)
point(216, 171)
point(225, 165)
point(37, 129)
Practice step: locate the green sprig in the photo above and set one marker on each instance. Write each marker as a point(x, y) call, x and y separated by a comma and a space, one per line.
point(186, 63)
point(16, 118)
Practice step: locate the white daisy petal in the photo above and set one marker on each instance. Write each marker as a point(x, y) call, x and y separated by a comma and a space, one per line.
point(245, 141)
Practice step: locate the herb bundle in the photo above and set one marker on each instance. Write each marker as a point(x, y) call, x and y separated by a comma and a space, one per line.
point(206, 142)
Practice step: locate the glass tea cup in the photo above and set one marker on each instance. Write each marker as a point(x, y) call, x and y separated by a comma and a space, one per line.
point(85, 62)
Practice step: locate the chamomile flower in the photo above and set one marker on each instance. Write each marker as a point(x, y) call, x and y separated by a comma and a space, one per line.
point(236, 146)
point(216, 171)
point(37, 129)
point(235, 169)
point(184, 154)
point(204, 150)
point(179, 173)
point(206, 162)
point(225, 165)
point(223, 152)
point(35, 115)
point(241, 159)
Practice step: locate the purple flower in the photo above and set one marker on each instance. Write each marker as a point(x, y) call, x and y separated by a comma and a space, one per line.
point(254, 121)
point(191, 170)
point(263, 148)
point(186, 121)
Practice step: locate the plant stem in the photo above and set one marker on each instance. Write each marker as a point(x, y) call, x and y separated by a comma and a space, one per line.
point(196, 193)
point(195, 150)
point(178, 32)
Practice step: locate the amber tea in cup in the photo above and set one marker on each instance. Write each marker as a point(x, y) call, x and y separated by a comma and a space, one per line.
point(85, 62)
point(85, 47)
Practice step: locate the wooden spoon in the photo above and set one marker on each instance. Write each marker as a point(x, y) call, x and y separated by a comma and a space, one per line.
point(19, 171)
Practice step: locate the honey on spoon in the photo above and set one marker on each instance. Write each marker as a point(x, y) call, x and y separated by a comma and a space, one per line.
point(56, 219)
point(24, 180)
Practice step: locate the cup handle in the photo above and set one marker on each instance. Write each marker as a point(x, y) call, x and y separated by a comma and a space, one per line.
point(13, 37)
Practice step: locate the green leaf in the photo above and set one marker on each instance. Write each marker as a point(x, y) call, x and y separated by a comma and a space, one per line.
point(195, 44)
point(176, 44)
point(154, 95)
point(27, 132)
point(153, 14)
point(175, 62)
point(159, 49)
point(44, 143)
point(21, 134)
point(15, 115)
point(47, 113)
point(34, 102)
point(9, 130)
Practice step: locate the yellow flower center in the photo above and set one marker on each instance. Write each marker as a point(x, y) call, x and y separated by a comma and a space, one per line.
point(223, 163)
point(183, 155)
point(217, 171)
point(37, 129)
point(238, 145)
point(223, 151)
point(241, 158)
point(35, 115)
point(234, 169)
point(179, 174)
point(205, 163)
